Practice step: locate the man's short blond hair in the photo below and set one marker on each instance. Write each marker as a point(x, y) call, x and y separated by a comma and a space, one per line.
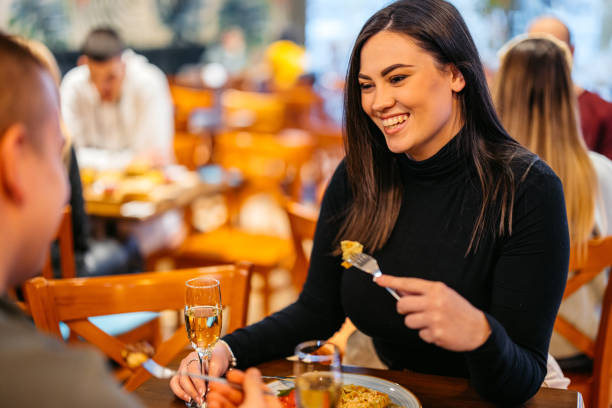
point(22, 98)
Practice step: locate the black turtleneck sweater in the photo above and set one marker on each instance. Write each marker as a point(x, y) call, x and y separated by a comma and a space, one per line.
point(517, 281)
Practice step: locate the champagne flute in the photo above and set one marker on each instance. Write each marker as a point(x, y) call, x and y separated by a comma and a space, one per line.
point(318, 374)
point(202, 318)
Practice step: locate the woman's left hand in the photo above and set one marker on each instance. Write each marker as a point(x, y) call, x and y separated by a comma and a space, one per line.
point(224, 396)
point(441, 315)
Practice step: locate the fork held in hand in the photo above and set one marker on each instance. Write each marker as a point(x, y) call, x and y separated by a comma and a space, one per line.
point(160, 371)
point(368, 264)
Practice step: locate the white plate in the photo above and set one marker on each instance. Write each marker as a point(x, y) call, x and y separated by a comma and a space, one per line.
point(398, 394)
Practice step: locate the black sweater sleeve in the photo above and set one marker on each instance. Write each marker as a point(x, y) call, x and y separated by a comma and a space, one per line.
point(318, 312)
point(527, 286)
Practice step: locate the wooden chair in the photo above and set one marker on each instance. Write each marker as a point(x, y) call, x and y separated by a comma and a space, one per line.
point(254, 111)
point(73, 301)
point(186, 100)
point(594, 387)
point(229, 245)
point(267, 161)
point(303, 221)
point(192, 150)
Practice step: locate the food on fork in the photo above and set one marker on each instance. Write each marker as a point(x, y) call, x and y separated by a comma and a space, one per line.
point(349, 248)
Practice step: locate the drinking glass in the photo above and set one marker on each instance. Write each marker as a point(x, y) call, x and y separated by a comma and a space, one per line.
point(202, 318)
point(318, 374)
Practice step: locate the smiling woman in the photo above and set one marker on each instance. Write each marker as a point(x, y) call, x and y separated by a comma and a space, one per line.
point(414, 105)
point(471, 225)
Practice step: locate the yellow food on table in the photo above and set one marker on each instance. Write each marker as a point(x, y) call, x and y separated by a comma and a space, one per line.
point(356, 396)
point(349, 248)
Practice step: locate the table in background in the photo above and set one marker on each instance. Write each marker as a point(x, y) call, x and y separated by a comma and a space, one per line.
point(431, 390)
point(150, 209)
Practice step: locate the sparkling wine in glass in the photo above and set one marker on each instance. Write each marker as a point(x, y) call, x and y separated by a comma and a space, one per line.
point(203, 313)
point(318, 374)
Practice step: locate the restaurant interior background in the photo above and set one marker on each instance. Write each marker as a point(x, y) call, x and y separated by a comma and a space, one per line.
point(183, 36)
point(328, 28)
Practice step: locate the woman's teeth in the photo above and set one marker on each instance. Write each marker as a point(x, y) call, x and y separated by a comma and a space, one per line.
point(395, 121)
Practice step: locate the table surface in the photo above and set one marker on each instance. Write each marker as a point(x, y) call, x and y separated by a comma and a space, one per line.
point(432, 391)
point(114, 210)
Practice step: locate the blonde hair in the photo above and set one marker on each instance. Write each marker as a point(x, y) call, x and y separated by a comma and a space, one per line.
point(535, 100)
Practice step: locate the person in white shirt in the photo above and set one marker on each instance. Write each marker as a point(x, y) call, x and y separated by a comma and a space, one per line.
point(116, 105)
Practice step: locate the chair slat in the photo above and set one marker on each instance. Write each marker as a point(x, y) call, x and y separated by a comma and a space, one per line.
point(575, 336)
point(107, 343)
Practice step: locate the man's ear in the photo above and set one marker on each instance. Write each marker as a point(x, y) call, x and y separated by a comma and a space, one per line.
point(82, 60)
point(457, 79)
point(12, 147)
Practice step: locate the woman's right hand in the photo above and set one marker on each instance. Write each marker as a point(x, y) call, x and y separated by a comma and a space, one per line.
point(188, 388)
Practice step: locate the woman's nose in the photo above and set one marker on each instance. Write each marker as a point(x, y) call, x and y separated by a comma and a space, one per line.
point(382, 100)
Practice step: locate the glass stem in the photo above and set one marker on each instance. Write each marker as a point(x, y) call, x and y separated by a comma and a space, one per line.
point(203, 357)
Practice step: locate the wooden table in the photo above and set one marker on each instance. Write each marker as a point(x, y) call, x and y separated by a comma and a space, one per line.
point(433, 391)
point(116, 210)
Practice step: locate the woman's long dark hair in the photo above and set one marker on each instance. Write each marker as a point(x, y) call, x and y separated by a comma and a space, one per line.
point(438, 28)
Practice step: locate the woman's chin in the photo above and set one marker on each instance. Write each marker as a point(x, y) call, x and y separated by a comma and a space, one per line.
point(396, 147)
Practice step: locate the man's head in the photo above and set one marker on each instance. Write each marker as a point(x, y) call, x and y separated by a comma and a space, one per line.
point(102, 52)
point(553, 26)
point(33, 183)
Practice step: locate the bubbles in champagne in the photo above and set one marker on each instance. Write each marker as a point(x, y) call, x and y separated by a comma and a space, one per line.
point(203, 324)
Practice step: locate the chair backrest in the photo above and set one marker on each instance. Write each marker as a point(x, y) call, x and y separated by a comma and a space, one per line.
point(66, 248)
point(192, 150)
point(253, 111)
point(73, 301)
point(598, 258)
point(303, 221)
point(186, 100)
point(264, 159)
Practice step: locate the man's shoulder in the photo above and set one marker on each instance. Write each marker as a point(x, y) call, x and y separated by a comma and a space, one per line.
point(76, 76)
point(594, 102)
point(53, 372)
point(76, 89)
point(142, 72)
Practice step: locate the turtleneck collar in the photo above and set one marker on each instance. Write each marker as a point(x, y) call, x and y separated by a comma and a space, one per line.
point(447, 162)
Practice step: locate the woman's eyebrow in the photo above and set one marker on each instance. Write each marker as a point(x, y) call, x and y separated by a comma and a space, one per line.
point(392, 67)
point(387, 70)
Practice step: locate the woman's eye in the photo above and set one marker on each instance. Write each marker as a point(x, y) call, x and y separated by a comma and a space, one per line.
point(364, 86)
point(397, 79)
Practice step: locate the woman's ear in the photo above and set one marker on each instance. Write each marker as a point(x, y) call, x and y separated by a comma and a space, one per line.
point(457, 79)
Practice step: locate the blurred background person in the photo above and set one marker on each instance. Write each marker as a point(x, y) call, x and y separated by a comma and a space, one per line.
point(231, 51)
point(595, 112)
point(116, 105)
point(537, 105)
point(93, 257)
